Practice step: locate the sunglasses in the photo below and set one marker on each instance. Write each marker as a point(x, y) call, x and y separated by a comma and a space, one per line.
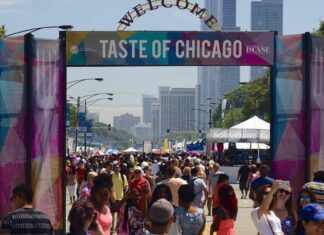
point(305, 198)
point(284, 191)
point(266, 192)
point(137, 172)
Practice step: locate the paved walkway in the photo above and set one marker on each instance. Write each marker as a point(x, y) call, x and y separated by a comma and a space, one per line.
point(243, 224)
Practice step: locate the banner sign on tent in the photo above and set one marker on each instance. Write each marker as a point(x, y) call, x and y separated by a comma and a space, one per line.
point(169, 48)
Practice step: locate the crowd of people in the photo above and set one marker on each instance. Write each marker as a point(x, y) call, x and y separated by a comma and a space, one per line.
point(168, 194)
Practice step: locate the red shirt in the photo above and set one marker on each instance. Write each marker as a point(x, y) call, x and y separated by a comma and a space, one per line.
point(143, 188)
point(80, 174)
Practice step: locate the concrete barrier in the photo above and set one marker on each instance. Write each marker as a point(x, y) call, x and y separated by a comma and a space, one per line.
point(231, 171)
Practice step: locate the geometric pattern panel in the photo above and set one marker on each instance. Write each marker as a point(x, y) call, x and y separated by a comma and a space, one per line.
point(48, 128)
point(12, 119)
point(288, 123)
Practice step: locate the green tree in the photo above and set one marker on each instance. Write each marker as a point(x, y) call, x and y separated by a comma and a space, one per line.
point(320, 30)
point(2, 31)
point(118, 138)
point(244, 102)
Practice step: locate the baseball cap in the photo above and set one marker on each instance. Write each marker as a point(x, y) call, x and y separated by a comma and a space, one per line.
point(161, 211)
point(312, 212)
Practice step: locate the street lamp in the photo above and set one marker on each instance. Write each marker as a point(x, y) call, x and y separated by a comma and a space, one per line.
point(65, 27)
point(78, 109)
point(72, 83)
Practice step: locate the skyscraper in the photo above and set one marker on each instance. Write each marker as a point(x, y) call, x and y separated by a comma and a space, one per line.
point(147, 101)
point(126, 122)
point(214, 82)
point(176, 109)
point(266, 15)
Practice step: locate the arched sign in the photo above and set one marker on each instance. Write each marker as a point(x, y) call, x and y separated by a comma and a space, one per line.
point(150, 5)
point(173, 48)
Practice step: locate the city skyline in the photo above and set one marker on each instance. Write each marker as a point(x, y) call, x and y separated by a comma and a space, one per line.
point(128, 84)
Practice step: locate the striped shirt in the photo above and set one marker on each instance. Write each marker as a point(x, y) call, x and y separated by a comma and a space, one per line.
point(318, 189)
point(26, 221)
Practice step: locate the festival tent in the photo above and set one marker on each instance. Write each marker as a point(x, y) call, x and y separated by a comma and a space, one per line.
point(130, 150)
point(254, 123)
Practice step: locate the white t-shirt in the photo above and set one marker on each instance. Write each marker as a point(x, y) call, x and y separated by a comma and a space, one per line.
point(262, 224)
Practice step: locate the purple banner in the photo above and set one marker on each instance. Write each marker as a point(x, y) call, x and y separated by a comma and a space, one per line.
point(12, 119)
point(48, 129)
point(317, 104)
point(288, 123)
point(169, 48)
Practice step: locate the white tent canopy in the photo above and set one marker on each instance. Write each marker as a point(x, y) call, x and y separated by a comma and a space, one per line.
point(253, 130)
point(129, 150)
point(254, 123)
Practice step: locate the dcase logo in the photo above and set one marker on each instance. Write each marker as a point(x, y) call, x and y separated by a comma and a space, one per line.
point(258, 49)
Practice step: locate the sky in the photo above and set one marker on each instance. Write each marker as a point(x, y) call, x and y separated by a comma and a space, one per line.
point(129, 83)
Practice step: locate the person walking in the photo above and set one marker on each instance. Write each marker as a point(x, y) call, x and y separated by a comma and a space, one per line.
point(191, 218)
point(225, 214)
point(25, 219)
point(242, 178)
point(174, 184)
point(200, 188)
point(161, 217)
point(211, 185)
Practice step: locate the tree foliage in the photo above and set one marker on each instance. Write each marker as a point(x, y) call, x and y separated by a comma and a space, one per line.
point(2, 31)
point(244, 102)
point(114, 138)
point(320, 30)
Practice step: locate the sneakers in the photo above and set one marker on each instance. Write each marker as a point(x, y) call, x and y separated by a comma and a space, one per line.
point(242, 197)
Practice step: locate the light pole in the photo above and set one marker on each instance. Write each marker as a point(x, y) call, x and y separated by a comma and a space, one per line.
point(65, 27)
point(73, 83)
point(85, 117)
point(86, 97)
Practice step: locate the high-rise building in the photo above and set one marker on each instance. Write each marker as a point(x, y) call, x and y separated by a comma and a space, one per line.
point(147, 100)
point(214, 82)
point(142, 132)
point(155, 107)
point(176, 109)
point(266, 15)
point(126, 122)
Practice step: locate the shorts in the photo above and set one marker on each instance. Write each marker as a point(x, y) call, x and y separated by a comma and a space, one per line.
point(72, 190)
point(243, 185)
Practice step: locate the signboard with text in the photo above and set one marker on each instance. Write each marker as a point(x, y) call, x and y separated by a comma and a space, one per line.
point(174, 48)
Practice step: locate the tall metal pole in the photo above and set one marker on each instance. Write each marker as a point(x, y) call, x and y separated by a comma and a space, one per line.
point(85, 127)
point(210, 118)
point(29, 105)
point(77, 125)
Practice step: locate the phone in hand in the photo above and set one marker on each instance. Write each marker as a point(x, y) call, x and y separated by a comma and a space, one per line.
point(93, 225)
point(285, 184)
